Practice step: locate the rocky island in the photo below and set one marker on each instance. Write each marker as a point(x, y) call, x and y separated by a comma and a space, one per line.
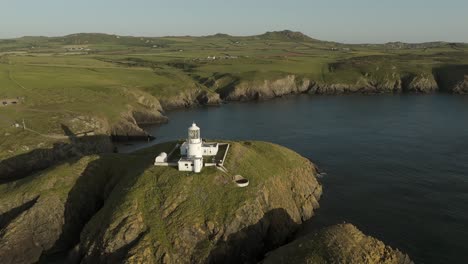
point(119, 208)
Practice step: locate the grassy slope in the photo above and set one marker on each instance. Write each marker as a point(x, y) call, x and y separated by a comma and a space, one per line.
point(137, 196)
point(169, 201)
point(100, 81)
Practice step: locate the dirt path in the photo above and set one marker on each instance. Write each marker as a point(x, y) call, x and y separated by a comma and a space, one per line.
point(54, 136)
point(15, 81)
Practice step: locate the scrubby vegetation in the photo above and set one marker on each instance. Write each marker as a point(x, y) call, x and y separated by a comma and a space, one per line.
point(119, 207)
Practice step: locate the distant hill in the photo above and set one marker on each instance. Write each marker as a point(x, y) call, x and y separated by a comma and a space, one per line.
point(101, 38)
point(424, 45)
point(283, 35)
point(286, 35)
point(219, 35)
point(95, 38)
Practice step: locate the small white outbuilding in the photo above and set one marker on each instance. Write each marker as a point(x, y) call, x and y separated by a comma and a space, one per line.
point(161, 158)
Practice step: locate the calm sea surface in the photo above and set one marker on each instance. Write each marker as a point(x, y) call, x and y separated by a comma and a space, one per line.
point(397, 166)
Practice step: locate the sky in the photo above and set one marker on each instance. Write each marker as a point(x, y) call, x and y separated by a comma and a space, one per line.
point(349, 21)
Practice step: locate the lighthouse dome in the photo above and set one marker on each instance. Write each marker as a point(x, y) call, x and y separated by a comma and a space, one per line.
point(194, 135)
point(194, 127)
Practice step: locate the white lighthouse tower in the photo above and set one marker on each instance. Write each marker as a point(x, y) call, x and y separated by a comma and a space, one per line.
point(194, 142)
point(194, 149)
point(192, 152)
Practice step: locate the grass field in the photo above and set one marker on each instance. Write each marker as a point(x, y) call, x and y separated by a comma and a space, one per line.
point(99, 76)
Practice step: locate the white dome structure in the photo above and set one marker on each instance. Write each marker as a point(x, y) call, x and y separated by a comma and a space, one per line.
point(161, 158)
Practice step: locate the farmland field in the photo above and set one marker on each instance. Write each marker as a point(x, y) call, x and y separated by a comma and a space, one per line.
point(92, 81)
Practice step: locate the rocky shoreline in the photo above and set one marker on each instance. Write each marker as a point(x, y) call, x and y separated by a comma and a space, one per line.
point(226, 88)
point(118, 208)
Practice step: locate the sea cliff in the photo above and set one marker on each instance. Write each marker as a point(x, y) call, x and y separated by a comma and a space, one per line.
point(119, 208)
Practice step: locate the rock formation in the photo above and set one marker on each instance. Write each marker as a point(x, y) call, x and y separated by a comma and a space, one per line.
point(119, 208)
point(337, 244)
point(292, 84)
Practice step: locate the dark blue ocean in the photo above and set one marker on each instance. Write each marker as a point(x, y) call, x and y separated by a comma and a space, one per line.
point(397, 165)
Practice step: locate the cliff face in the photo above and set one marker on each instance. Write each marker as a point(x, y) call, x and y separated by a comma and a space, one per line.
point(420, 84)
point(190, 98)
point(150, 109)
point(462, 86)
point(129, 126)
point(452, 78)
point(42, 215)
point(147, 111)
point(205, 218)
point(337, 244)
point(292, 84)
point(121, 209)
point(33, 209)
point(266, 89)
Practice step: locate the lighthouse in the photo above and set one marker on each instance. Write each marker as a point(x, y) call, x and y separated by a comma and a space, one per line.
point(194, 142)
point(192, 153)
point(194, 149)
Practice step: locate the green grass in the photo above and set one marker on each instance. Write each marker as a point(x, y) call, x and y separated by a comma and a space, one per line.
point(107, 80)
point(168, 200)
point(161, 200)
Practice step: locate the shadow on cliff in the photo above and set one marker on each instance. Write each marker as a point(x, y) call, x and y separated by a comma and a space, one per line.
point(23, 165)
point(250, 244)
point(448, 76)
point(7, 217)
point(89, 195)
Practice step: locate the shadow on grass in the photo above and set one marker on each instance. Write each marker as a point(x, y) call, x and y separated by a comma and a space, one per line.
point(110, 173)
point(22, 165)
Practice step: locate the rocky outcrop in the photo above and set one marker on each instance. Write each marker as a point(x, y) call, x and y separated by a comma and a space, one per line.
point(452, 78)
point(42, 215)
point(292, 84)
point(462, 86)
point(190, 98)
point(337, 244)
point(129, 126)
point(118, 208)
point(131, 213)
point(33, 211)
point(205, 218)
point(266, 89)
point(420, 84)
point(148, 111)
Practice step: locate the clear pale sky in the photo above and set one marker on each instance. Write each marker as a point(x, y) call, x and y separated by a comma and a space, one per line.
point(351, 21)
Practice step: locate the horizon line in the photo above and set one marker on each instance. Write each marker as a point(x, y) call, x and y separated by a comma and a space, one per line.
point(239, 36)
